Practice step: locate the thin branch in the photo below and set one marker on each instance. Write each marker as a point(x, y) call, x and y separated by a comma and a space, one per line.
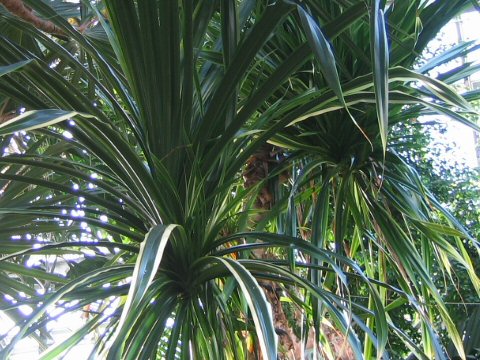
point(18, 8)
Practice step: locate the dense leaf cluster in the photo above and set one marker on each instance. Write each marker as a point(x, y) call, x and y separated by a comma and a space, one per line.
point(220, 179)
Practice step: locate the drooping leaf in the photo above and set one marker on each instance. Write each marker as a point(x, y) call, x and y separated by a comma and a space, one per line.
point(380, 56)
point(148, 261)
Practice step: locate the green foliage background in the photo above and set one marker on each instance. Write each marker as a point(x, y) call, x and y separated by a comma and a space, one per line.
point(171, 161)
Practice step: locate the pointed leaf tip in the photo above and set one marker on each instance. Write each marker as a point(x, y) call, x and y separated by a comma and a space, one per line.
point(4, 70)
point(380, 56)
point(37, 119)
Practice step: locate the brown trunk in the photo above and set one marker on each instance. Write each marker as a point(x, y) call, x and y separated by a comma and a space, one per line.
point(290, 346)
point(257, 169)
point(338, 342)
point(6, 117)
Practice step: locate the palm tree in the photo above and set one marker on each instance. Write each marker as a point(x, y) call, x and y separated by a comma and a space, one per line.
point(133, 122)
point(366, 193)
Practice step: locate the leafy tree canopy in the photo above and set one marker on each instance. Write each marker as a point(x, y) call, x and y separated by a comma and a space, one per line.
point(220, 179)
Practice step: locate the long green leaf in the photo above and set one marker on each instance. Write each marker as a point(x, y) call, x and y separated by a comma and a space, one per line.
point(148, 261)
point(13, 67)
point(258, 305)
point(323, 53)
point(35, 119)
point(380, 57)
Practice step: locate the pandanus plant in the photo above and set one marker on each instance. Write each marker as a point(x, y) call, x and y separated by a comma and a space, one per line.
point(127, 126)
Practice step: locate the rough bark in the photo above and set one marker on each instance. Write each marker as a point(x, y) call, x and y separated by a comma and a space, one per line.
point(290, 344)
point(257, 170)
point(6, 117)
point(338, 342)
